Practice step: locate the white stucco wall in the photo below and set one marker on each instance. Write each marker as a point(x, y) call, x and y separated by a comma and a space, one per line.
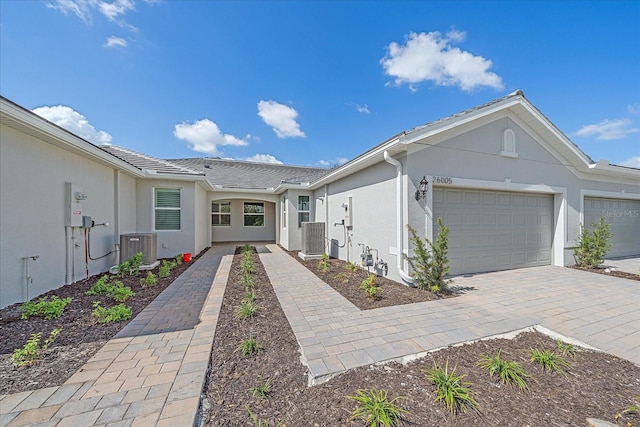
point(237, 232)
point(202, 220)
point(33, 215)
point(293, 235)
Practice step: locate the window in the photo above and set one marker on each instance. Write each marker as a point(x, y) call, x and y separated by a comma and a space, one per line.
point(221, 214)
point(253, 214)
point(284, 212)
point(166, 205)
point(303, 210)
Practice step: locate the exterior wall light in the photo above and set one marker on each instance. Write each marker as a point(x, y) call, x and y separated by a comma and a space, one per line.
point(421, 192)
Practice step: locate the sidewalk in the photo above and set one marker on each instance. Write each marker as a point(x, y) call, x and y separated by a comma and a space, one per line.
point(151, 373)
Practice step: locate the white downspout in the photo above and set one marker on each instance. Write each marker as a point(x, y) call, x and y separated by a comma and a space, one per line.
point(399, 245)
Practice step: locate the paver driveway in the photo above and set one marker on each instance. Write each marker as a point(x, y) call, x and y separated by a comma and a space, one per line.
point(601, 311)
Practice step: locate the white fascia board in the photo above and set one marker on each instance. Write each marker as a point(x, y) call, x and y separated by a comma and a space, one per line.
point(223, 189)
point(617, 171)
point(30, 123)
point(369, 158)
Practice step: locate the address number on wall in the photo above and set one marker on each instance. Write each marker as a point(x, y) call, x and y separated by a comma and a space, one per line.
point(442, 180)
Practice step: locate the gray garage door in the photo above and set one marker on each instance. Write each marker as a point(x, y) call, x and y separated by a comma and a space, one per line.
point(624, 217)
point(494, 230)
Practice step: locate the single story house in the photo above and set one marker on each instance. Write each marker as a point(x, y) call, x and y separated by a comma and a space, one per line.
point(512, 188)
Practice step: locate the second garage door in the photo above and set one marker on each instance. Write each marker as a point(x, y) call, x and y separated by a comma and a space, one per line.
point(494, 230)
point(624, 217)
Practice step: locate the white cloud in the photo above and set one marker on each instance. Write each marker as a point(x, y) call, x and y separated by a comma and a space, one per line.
point(80, 8)
point(263, 158)
point(335, 162)
point(74, 122)
point(363, 109)
point(432, 57)
point(633, 109)
point(281, 118)
point(114, 41)
point(204, 136)
point(632, 162)
point(114, 11)
point(608, 130)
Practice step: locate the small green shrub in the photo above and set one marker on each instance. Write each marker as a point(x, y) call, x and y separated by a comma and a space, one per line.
point(178, 259)
point(368, 285)
point(113, 314)
point(510, 372)
point(341, 277)
point(549, 360)
point(352, 267)
point(376, 409)
point(246, 249)
point(115, 290)
point(131, 267)
point(164, 271)
point(633, 409)
point(323, 264)
point(249, 296)
point(431, 265)
point(247, 281)
point(149, 280)
point(45, 307)
point(450, 388)
point(593, 245)
point(566, 349)
point(247, 309)
point(249, 346)
point(30, 353)
point(262, 390)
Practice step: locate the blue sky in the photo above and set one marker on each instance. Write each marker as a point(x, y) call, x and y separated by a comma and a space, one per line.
point(317, 83)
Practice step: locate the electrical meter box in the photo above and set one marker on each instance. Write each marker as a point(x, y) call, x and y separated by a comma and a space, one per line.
point(348, 217)
point(74, 195)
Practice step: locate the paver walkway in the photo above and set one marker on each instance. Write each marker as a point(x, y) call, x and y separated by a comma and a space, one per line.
point(151, 373)
point(334, 335)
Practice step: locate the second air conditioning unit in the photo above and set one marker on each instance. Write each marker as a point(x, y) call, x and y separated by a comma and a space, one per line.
point(312, 239)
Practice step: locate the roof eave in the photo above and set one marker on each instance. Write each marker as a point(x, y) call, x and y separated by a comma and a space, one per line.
point(23, 120)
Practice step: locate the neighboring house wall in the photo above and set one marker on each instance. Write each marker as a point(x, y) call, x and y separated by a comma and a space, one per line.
point(170, 243)
point(33, 215)
point(293, 239)
point(237, 232)
point(202, 220)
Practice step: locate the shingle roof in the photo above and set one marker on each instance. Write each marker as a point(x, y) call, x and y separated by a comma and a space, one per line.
point(243, 174)
point(144, 161)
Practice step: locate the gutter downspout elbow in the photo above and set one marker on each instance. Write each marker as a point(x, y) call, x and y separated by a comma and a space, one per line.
point(399, 231)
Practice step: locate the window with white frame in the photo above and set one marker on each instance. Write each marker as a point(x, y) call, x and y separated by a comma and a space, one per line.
point(221, 214)
point(303, 210)
point(167, 209)
point(284, 212)
point(253, 214)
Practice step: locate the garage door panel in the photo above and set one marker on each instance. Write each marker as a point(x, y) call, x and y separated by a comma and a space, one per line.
point(494, 230)
point(624, 217)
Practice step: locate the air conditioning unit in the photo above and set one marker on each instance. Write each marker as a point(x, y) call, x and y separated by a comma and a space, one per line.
point(132, 243)
point(313, 238)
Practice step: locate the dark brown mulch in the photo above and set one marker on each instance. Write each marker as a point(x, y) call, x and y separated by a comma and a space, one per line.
point(597, 385)
point(347, 283)
point(81, 336)
point(609, 272)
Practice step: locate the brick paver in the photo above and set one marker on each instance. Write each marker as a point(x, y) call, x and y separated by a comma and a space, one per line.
point(334, 335)
point(153, 371)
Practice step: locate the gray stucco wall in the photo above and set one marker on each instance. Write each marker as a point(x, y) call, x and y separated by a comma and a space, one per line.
point(202, 220)
point(33, 215)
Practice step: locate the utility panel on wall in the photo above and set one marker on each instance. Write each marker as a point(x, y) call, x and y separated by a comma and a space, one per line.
point(74, 195)
point(348, 217)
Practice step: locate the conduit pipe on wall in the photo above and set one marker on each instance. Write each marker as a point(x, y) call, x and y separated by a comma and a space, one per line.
point(400, 230)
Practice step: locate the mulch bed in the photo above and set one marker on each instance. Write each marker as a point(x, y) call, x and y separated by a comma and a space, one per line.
point(347, 283)
point(597, 385)
point(81, 336)
point(609, 272)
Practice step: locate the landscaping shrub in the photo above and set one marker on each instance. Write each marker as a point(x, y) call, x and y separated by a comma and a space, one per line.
point(323, 264)
point(262, 390)
point(430, 264)
point(510, 372)
point(149, 280)
point(376, 409)
point(131, 267)
point(30, 353)
point(113, 314)
point(593, 245)
point(450, 388)
point(249, 346)
point(115, 290)
point(549, 360)
point(368, 285)
point(49, 309)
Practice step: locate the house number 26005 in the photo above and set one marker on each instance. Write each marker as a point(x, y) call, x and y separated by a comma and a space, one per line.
point(442, 180)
